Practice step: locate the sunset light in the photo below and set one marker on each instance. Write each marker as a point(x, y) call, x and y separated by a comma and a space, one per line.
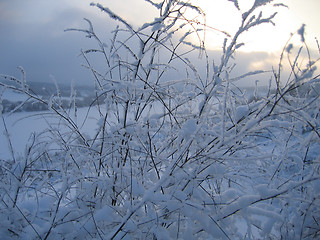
point(223, 15)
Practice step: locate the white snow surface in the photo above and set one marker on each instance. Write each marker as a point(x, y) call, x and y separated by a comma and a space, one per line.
point(22, 125)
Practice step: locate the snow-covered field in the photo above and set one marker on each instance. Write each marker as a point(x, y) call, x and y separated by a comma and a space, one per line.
point(22, 125)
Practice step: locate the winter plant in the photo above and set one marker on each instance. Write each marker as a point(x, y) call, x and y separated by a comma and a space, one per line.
point(172, 158)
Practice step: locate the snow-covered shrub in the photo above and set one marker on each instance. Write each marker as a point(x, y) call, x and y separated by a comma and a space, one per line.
point(187, 158)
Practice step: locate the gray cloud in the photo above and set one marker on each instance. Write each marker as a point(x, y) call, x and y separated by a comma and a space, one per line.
point(32, 36)
point(42, 48)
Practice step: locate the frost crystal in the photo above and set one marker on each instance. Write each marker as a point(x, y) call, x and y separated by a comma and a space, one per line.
point(301, 32)
point(241, 112)
point(188, 128)
point(258, 3)
point(235, 2)
point(289, 48)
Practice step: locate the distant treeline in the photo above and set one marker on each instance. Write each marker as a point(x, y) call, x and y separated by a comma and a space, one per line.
point(32, 106)
point(84, 97)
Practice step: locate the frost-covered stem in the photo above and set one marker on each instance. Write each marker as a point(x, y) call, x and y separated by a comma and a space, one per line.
point(151, 61)
point(67, 150)
point(305, 216)
point(6, 132)
point(293, 70)
point(16, 192)
point(224, 108)
point(278, 99)
point(256, 198)
point(64, 115)
point(103, 131)
point(25, 218)
point(95, 74)
point(126, 109)
point(54, 216)
point(24, 80)
point(23, 168)
point(101, 152)
point(144, 199)
point(228, 51)
point(96, 226)
point(224, 62)
point(151, 156)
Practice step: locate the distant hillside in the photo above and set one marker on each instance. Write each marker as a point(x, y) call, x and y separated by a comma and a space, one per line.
point(17, 102)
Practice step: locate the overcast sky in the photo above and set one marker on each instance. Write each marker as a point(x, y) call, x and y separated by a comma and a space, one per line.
point(32, 33)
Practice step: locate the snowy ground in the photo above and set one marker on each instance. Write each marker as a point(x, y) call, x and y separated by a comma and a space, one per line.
point(21, 125)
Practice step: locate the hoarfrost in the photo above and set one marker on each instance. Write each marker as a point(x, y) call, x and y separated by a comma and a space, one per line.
point(188, 128)
point(301, 32)
point(241, 112)
point(104, 214)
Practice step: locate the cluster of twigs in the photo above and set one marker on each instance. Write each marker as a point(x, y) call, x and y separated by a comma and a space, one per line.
point(171, 158)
